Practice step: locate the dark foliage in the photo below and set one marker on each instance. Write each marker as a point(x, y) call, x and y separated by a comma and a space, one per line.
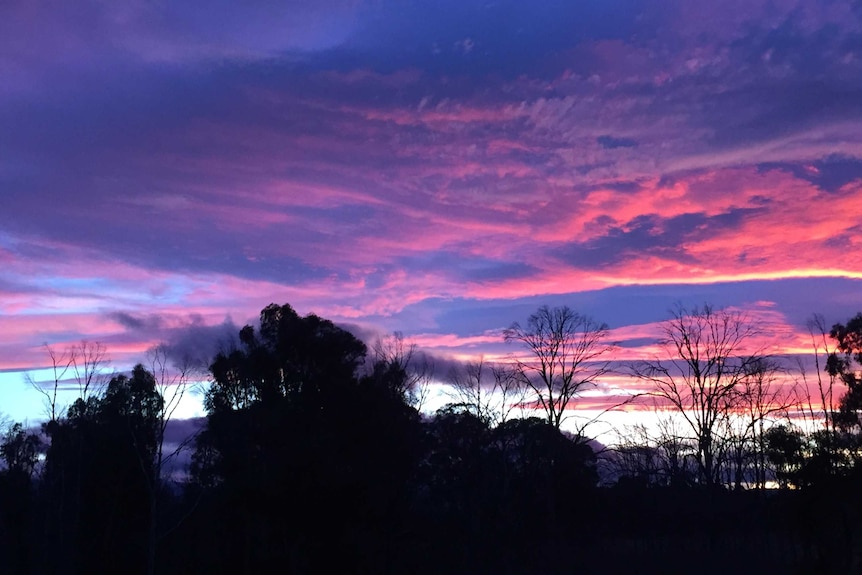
point(311, 462)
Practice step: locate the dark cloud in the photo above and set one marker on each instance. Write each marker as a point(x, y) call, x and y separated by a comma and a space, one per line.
point(188, 342)
point(619, 186)
point(834, 171)
point(635, 343)
point(179, 430)
point(775, 109)
point(147, 323)
point(179, 445)
point(845, 241)
point(363, 333)
point(197, 344)
point(829, 174)
point(650, 235)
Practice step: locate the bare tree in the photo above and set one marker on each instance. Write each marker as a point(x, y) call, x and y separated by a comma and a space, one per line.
point(818, 401)
point(565, 357)
point(417, 366)
point(491, 399)
point(89, 360)
point(60, 365)
point(660, 456)
point(510, 390)
point(758, 402)
point(762, 400)
point(677, 451)
point(172, 380)
point(827, 402)
point(705, 360)
point(84, 363)
point(635, 456)
point(471, 393)
point(172, 383)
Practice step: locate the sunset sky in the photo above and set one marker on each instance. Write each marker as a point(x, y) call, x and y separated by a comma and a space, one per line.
point(439, 168)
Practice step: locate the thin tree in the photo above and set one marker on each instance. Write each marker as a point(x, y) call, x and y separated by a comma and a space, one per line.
point(706, 357)
point(61, 362)
point(566, 352)
point(83, 363)
point(762, 399)
point(488, 391)
point(820, 407)
point(418, 366)
point(171, 384)
point(89, 360)
point(826, 398)
point(635, 456)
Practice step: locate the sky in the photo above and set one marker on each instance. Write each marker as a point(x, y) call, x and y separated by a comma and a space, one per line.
point(441, 168)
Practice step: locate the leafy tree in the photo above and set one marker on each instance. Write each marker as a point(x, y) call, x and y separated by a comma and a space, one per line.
point(546, 479)
point(499, 491)
point(98, 470)
point(301, 454)
point(20, 451)
point(846, 364)
point(293, 357)
point(455, 467)
point(785, 451)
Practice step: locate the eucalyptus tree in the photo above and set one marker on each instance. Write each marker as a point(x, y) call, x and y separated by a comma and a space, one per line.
point(304, 458)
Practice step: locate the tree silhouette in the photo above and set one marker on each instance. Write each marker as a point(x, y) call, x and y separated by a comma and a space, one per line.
point(846, 364)
point(785, 451)
point(98, 470)
point(20, 451)
point(393, 351)
point(303, 455)
point(489, 391)
point(312, 459)
point(707, 356)
point(564, 357)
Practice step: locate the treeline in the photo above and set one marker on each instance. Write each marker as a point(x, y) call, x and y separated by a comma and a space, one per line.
point(731, 414)
point(314, 458)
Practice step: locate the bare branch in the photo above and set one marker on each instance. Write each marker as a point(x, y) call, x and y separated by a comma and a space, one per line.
point(417, 366)
point(491, 399)
point(565, 357)
point(706, 361)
